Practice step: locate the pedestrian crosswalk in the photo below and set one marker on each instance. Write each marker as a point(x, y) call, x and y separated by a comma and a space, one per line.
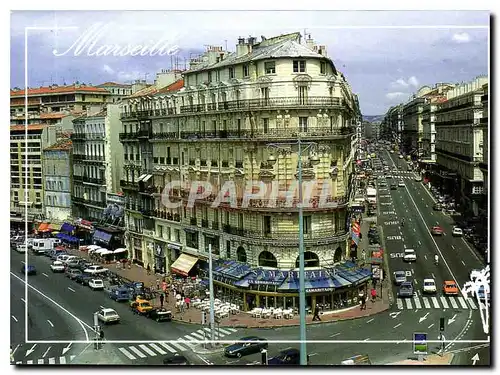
point(64, 360)
point(183, 344)
point(436, 302)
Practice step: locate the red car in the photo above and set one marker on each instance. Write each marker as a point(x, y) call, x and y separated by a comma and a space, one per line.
point(437, 231)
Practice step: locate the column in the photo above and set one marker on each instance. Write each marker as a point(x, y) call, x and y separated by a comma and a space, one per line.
point(245, 304)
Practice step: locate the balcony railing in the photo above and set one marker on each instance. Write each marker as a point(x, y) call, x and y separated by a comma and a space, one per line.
point(167, 215)
point(144, 133)
point(77, 157)
point(127, 136)
point(165, 135)
point(193, 221)
point(149, 113)
point(129, 184)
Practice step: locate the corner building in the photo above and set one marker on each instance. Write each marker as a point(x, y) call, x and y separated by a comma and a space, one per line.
point(218, 127)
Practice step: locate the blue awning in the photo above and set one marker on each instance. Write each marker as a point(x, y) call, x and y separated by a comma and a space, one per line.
point(66, 227)
point(233, 269)
point(67, 237)
point(102, 236)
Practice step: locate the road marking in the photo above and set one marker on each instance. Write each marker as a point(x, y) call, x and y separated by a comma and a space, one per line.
point(453, 247)
point(335, 334)
point(147, 350)
point(431, 325)
point(462, 302)
point(157, 348)
point(170, 349)
point(444, 302)
point(13, 317)
point(137, 351)
point(371, 320)
point(414, 230)
point(202, 332)
point(102, 307)
point(62, 360)
point(232, 330)
point(52, 361)
point(397, 325)
point(71, 289)
point(425, 256)
point(23, 262)
point(472, 251)
point(426, 302)
point(192, 338)
point(127, 353)
point(463, 263)
point(51, 324)
point(30, 362)
point(224, 331)
point(41, 361)
point(471, 303)
point(433, 276)
point(22, 299)
point(366, 339)
point(453, 303)
point(408, 304)
point(417, 302)
point(435, 302)
point(44, 274)
point(420, 243)
point(44, 354)
point(197, 335)
point(412, 272)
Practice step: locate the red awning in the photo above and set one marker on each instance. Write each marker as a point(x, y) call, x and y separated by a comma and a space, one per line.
point(44, 227)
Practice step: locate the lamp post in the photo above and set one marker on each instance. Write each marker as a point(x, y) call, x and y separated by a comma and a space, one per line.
point(302, 287)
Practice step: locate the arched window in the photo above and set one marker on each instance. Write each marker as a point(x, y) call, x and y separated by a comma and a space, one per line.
point(310, 260)
point(267, 259)
point(241, 254)
point(337, 255)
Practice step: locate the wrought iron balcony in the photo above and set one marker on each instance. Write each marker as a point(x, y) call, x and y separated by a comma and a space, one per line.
point(127, 136)
point(215, 225)
point(130, 185)
point(165, 135)
point(144, 133)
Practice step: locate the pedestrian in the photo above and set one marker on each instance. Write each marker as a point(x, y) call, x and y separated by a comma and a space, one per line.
point(157, 284)
point(316, 314)
point(166, 296)
point(161, 300)
point(374, 294)
point(11, 355)
point(188, 301)
point(178, 296)
point(149, 269)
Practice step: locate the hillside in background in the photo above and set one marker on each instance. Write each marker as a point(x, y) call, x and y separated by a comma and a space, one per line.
point(373, 118)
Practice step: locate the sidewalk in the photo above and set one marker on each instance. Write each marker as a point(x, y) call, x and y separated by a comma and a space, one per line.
point(431, 360)
point(245, 320)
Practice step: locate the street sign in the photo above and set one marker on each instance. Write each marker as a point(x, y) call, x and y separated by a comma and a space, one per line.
point(420, 343)
point(441, 324)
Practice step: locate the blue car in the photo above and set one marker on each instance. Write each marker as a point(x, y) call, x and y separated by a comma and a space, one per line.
point(28, 270)
point(120, 294)
point(481, 293)
point(289, 356)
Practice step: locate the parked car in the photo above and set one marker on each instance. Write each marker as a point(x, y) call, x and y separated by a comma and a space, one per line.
point(95, 269)
point(405, 290)
point(141, 306)
point(62, 257)
point(418, 178)
point(437, 206)
point(410, 255)
point(107, 316)
point(429, 286)
point(54, 254)
point(286, 357)
point(457, 232)
point(481, 293)
point(73, 263)
point(160, 315)
point(401, 184)
point(176, 360)
point(21, 248)
point(72, 273)
point(450, 288)
point(96, 284)
point(28, 269)
point(437, 230)
point(245, 346)
point(57, 266)
point(83, 265)
point(399, 277)
point(120, 294)
point(83, 278)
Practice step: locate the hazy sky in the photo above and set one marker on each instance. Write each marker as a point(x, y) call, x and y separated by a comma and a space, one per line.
point(383, 65)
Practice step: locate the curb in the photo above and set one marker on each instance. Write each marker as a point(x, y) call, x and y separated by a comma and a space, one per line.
point(386, 267)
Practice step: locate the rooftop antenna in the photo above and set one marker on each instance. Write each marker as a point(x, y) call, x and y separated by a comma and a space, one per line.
point(146, 76)
point(225, 41)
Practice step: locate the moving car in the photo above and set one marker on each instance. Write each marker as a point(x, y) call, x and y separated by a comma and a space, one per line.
point(429, 286)
point(160, 315)
point(450, 288)
point(399, 277)
point(401, 184)
point(83, 278)
point(410, 255)
point(437, 207)
point(141, 306)
point(120, 294)
point(95, 269)
point(96, 284)
point(245, 346)
point(176, 360)
point(28, 270)
point(107, 315)
point(21, 248)
point(73, 273)
point(418, 178)
point(437, 230)
point(289, 356)
point(394, 187)
point(457, 232)
point(405, 289)
point(57, 266)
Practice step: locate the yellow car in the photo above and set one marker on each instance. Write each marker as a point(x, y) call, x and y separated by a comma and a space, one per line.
point(141, 306)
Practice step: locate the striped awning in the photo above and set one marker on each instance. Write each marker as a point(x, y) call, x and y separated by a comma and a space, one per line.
point(184, 264)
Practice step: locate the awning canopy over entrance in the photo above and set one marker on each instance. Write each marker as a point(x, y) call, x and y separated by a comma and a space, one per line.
point(184, 264)
point(44, 227)
point(56, 227)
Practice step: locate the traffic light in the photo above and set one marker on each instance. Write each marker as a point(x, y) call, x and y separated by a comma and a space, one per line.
point(264, 357)
point(441, 324)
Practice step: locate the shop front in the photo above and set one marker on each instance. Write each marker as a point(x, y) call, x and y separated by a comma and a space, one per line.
point(136, 246)
point(108, 237)
point(160, 263)
point(66, 234)
point(184, 265)
point(84, 231)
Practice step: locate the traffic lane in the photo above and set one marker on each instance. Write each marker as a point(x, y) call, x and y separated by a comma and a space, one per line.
point(83, 302)
point(474, 356)
point(457, 244)
point(17, 318)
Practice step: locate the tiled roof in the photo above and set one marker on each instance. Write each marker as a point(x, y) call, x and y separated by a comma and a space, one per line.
point(62, 144)
point(177, 85)
point(30, 127)
point(114, 84)
point(44, 116)
point(58, 90)
point(102, 113)
point(150, 90)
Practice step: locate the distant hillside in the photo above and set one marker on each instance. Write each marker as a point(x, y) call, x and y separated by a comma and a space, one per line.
point(373, 118)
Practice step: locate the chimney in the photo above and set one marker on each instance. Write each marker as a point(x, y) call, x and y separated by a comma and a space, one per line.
point(310, 42)
point(251, 40)
point(242, 48)
point(241, 41)
point(322, 50)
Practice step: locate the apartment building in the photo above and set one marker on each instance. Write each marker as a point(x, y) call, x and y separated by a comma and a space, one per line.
point(393, 121)
point(460, 143)
point(57, 180)
point(26, 182)
point(412, 126)
point(219, 128)
point(118, 91)
point(483, 165)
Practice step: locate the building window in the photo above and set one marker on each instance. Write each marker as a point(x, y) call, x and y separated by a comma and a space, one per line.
point(299, 66)
point(303, 124)
point(246, 70)
point(160, 231)
point(322, 67)
point(270, 67)
point(209, 77)
point(228, 249)
point(267, 225)
point(231, 73)
point(307, 224)
point(302, 95)
point(192, 240)
point(265, 124)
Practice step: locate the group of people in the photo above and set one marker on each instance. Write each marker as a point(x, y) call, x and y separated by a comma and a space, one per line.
point(362, 297)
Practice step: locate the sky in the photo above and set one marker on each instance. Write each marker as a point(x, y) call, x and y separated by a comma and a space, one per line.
point(385, 55)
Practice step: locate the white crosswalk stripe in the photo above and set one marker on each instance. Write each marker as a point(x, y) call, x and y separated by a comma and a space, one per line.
point(190, 338)
point(224, 331)
point(169, 348)
point(29, 362)
point(202, 332)
point(462, 302)
point(471, 303)
point(444, 302)
point(157, 348)
point(435, 302)
point(426, 302)
point(232, 330)
point(137, 351)
point(52, 361)
point(400, 303)
point(127, 353)
point(408, 304)
point(197, 335)
point(62, 360)
point(417, 302)
point(453, 303)
point(40, 361)
point(147, 350)
point(176, 345)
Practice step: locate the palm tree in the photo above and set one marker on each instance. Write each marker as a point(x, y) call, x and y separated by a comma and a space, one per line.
point(480, 279)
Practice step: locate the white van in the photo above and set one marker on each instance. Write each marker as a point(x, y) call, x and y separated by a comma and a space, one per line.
point(43, 245)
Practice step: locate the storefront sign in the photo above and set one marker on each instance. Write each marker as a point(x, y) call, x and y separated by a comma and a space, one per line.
point(174, 247)
point(320, 290)
point(282, 275)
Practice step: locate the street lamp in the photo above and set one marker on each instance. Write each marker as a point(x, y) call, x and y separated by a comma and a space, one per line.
point(314, 159)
